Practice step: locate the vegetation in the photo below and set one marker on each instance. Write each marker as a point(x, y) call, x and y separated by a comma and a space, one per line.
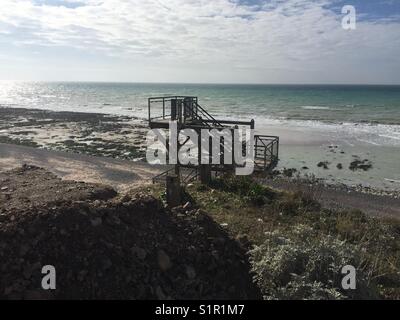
point(297, 249)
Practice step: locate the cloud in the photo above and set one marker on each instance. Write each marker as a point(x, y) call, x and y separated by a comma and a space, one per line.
point(251, 41)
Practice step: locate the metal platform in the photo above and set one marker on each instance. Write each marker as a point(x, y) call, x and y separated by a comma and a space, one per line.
point(187, 113)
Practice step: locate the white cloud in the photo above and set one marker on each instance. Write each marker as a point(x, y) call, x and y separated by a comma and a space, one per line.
point(212, 40)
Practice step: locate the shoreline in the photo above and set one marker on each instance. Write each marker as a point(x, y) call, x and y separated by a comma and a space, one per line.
point(122, 137)
point(124, 175)
point(97, 134)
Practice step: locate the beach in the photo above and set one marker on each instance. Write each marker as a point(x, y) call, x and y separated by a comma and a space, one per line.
point(324, 152)
point(322, 129)
point(356, 164)
point(89, 133)
point(124, 175)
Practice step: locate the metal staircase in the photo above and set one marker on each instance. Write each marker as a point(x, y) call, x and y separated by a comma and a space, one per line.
point(188, 113)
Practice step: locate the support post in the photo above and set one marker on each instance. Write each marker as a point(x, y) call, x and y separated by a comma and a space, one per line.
point(163, 108)
point(173, 109)
point(173, 191)
point(205, 174)
point(149, 106)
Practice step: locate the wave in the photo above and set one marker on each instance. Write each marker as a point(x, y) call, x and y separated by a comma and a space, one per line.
point(375, 134)
point(315, 108)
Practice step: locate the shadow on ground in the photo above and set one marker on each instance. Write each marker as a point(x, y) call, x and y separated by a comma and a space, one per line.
point(130, 248)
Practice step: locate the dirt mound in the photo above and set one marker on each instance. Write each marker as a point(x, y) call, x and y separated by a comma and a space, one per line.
point(118, 249)
point(29, 186)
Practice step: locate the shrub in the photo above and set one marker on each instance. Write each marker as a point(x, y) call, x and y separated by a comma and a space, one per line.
point(308, 267)
point(245, 187)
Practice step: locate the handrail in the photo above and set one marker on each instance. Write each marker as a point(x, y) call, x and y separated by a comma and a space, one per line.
point(203, 111)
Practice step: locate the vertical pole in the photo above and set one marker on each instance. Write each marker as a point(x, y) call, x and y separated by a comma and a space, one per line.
point(277, 150)
point(173, 191)
point(180, 110)
point(204, 169)
point(233, 148)
point(265, 157)
point(205, 174)
point(149, 103)
point(173, 109)
point(163, 108)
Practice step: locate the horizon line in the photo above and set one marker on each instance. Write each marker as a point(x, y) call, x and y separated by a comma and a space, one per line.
point(203, 83)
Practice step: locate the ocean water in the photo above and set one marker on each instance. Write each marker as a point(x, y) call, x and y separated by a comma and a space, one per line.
point(364, 120)
point(358, 104)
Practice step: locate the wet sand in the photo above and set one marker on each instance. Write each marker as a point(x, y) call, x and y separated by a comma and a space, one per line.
point(96, 134)
point(303, 147)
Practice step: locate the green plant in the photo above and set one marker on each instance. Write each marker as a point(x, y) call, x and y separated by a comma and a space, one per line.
point(245, 187)
point(308, 267)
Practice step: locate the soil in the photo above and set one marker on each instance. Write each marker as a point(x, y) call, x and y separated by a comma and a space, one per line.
point(121, 174)
point(29, 186)
point(105, 246)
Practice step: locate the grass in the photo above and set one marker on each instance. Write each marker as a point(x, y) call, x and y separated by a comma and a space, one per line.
point(257, 214)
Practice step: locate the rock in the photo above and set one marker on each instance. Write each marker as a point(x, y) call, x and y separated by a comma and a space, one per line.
point(24, 249)
point(4, 189)
point(96, 222)
point(190, 272)
point(360, 165)
point(126, 199)
point(339, 166)
point(323, 164)
point(107, 264)
point(164, 262)
point(35, 295)
point(139, 252)
point(289, 172)
point(160, 294)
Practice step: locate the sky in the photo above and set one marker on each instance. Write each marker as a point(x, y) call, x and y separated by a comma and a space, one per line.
point(200, 41)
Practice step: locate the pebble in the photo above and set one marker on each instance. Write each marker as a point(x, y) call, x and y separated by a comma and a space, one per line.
point(160, 294)
point(164, 262)
point(139, 252)
point(96, 222)
point(190, 272)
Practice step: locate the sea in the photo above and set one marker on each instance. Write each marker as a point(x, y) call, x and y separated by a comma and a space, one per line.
point(359, 121)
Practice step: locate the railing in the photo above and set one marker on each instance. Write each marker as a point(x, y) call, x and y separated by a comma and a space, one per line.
point(208, 117)
point(187, 175)
point(164, 100)
point(187, 111)
point(186, 108)
point(266, 151)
